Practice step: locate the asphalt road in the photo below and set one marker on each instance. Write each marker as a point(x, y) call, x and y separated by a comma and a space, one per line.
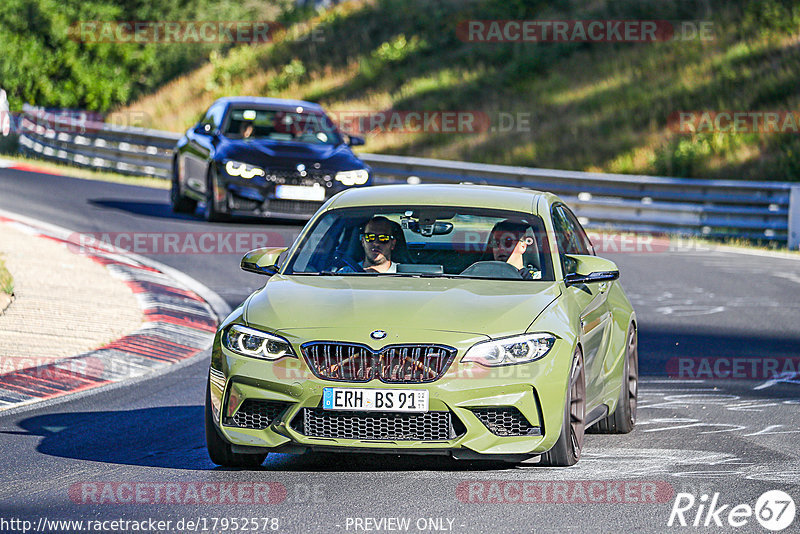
point(82, 459)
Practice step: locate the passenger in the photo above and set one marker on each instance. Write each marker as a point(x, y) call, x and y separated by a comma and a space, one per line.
point(509, 241)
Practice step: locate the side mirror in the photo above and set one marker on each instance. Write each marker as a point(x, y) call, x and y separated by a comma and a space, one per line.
point(203, 129)
point(590, 269)
point(262, 261)
point(354, 140)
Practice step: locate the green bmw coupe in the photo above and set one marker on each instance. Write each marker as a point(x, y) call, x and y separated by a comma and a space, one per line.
point(462, 320)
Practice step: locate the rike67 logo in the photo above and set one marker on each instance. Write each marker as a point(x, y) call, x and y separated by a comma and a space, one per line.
point(774, 510)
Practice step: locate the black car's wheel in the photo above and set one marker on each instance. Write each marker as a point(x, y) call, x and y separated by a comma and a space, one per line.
point(567, 450)
point(211, 213)
point(178, 202)
point(623, 419)
point(220, 451)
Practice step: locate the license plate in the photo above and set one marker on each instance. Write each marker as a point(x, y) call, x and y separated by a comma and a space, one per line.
point(300, 192)
point(375, 400)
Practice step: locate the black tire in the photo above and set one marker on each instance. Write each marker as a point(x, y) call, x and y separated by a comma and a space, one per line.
point(210, 211)
point(567, 450)
point(220, 451)
point(178, 202)
point(623, 419)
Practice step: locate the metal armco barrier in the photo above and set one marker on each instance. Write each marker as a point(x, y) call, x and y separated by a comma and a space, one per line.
point(713, 208)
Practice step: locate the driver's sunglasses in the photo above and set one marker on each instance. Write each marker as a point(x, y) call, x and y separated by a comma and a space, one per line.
point(383, 238)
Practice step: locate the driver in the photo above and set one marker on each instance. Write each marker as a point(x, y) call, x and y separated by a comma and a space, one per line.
point(378, 242)
point(509, 241)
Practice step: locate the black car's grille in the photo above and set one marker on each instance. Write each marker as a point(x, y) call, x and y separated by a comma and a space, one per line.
point(256, 413)
point(427, 426)
point(392, 364)
point(506, 421)
point(294, 177)
point(244, 204)
point(291, 206)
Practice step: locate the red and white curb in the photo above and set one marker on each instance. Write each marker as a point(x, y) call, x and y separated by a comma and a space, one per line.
point(27, 167)
point(181, 316)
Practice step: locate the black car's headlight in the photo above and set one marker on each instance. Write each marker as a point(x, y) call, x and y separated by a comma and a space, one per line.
point(243, 170)
point(511, 350)
point(256, 344)
point(355, 177)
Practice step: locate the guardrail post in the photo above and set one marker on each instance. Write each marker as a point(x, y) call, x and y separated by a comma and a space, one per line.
point(794, 218)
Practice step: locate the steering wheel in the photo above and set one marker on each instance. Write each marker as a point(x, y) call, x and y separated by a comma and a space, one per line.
point(340, 260)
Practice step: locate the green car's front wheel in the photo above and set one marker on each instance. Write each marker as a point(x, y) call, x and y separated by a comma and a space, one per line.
point(220, 451)
point(567, 450)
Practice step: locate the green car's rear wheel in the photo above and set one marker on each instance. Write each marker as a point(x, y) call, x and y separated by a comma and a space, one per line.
point(220, 451)
point(623, 419)
point(567, 450)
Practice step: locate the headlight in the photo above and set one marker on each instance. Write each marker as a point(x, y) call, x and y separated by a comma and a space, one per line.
point(511, 350)
point(256, 344)
point(356, 177)
point(237, 168)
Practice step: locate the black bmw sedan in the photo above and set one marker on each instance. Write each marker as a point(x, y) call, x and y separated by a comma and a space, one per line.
point(264, 157)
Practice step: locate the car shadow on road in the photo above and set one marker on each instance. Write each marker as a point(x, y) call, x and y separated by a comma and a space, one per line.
point(140, 207)
point(173, 437)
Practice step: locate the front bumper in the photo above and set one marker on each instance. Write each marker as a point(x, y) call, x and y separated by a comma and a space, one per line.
point(471, 395)
point(256, 197)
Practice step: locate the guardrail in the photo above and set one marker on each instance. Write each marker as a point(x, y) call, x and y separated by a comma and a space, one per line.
point(713, 208)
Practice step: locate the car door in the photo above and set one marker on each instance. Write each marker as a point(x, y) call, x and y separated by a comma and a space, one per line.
point(195, 155)
point(591, 299)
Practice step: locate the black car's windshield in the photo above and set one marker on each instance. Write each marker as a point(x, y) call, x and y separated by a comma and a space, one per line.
point(426, 241)
point(299, 125)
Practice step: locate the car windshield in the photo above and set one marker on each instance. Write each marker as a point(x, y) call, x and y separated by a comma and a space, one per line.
point(299, 126)
point(425, 241)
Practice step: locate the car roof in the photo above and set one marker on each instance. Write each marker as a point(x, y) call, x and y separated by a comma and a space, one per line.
point(485, 196)
point(266, 101)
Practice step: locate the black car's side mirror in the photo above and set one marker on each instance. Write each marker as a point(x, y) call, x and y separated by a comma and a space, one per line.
point(354, 140)
point(204, 129)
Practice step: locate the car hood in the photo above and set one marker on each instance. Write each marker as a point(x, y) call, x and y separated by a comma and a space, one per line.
point(286, 154)
point(365, 303)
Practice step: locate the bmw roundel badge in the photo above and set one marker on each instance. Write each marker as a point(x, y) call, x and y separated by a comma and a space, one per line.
point(378, 334)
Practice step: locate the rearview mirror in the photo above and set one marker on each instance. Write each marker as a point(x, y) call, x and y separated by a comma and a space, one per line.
point(262, 261)
point(428, 229)
point(589, 269)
